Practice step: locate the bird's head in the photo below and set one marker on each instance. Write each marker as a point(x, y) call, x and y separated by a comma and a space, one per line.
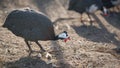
point(63, 36)
point(105, 11)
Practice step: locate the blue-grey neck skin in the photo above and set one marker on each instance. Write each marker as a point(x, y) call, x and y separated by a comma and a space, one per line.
point(57, 37)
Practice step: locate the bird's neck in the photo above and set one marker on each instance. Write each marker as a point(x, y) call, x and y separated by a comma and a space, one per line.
point(57, 38)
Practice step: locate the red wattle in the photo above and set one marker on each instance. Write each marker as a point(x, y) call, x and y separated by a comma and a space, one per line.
point(65, 40)
point(105, 14)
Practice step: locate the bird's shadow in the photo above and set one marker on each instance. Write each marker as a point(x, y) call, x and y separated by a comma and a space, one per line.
point(97, 34)
point(58, 52)
point(113, 19)
point(94, 33)
point(28, 62)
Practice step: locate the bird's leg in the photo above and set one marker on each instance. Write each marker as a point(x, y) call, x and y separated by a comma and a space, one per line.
point(47, 54)
point(118, 7)
point(30, 49)
point(81, 20)
point(91, 21)
point(40, 46)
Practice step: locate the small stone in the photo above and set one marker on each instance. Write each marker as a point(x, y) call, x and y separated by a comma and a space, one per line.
point(39, 55)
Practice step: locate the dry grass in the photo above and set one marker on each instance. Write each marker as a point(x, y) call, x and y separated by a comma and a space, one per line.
point(89, 47)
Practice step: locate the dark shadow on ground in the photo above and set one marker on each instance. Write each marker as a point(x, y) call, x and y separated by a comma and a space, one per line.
point(113, 19)
point(28, 62)
point(58, 52)
point(96, 34)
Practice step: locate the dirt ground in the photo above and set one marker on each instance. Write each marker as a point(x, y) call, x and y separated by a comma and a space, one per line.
point(95, 46)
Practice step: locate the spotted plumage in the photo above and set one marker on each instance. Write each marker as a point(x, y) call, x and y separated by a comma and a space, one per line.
point(32, 26)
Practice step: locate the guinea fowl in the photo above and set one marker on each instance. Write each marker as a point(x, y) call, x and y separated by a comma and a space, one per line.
point(109, 4)
point(32, 26)
point(90, 6)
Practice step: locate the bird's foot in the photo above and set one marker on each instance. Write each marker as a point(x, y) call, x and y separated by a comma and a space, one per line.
point(30, 52)
point(48, 55)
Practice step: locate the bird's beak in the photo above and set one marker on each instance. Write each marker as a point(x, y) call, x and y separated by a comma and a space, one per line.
point(66, 39)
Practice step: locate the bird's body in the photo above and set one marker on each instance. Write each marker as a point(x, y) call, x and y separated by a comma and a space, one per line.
point(91, 6)
point(110, 3)
point(107, 4)
point(115, 2)
point(32, 26)
point(85, 6)
point(82, 6)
